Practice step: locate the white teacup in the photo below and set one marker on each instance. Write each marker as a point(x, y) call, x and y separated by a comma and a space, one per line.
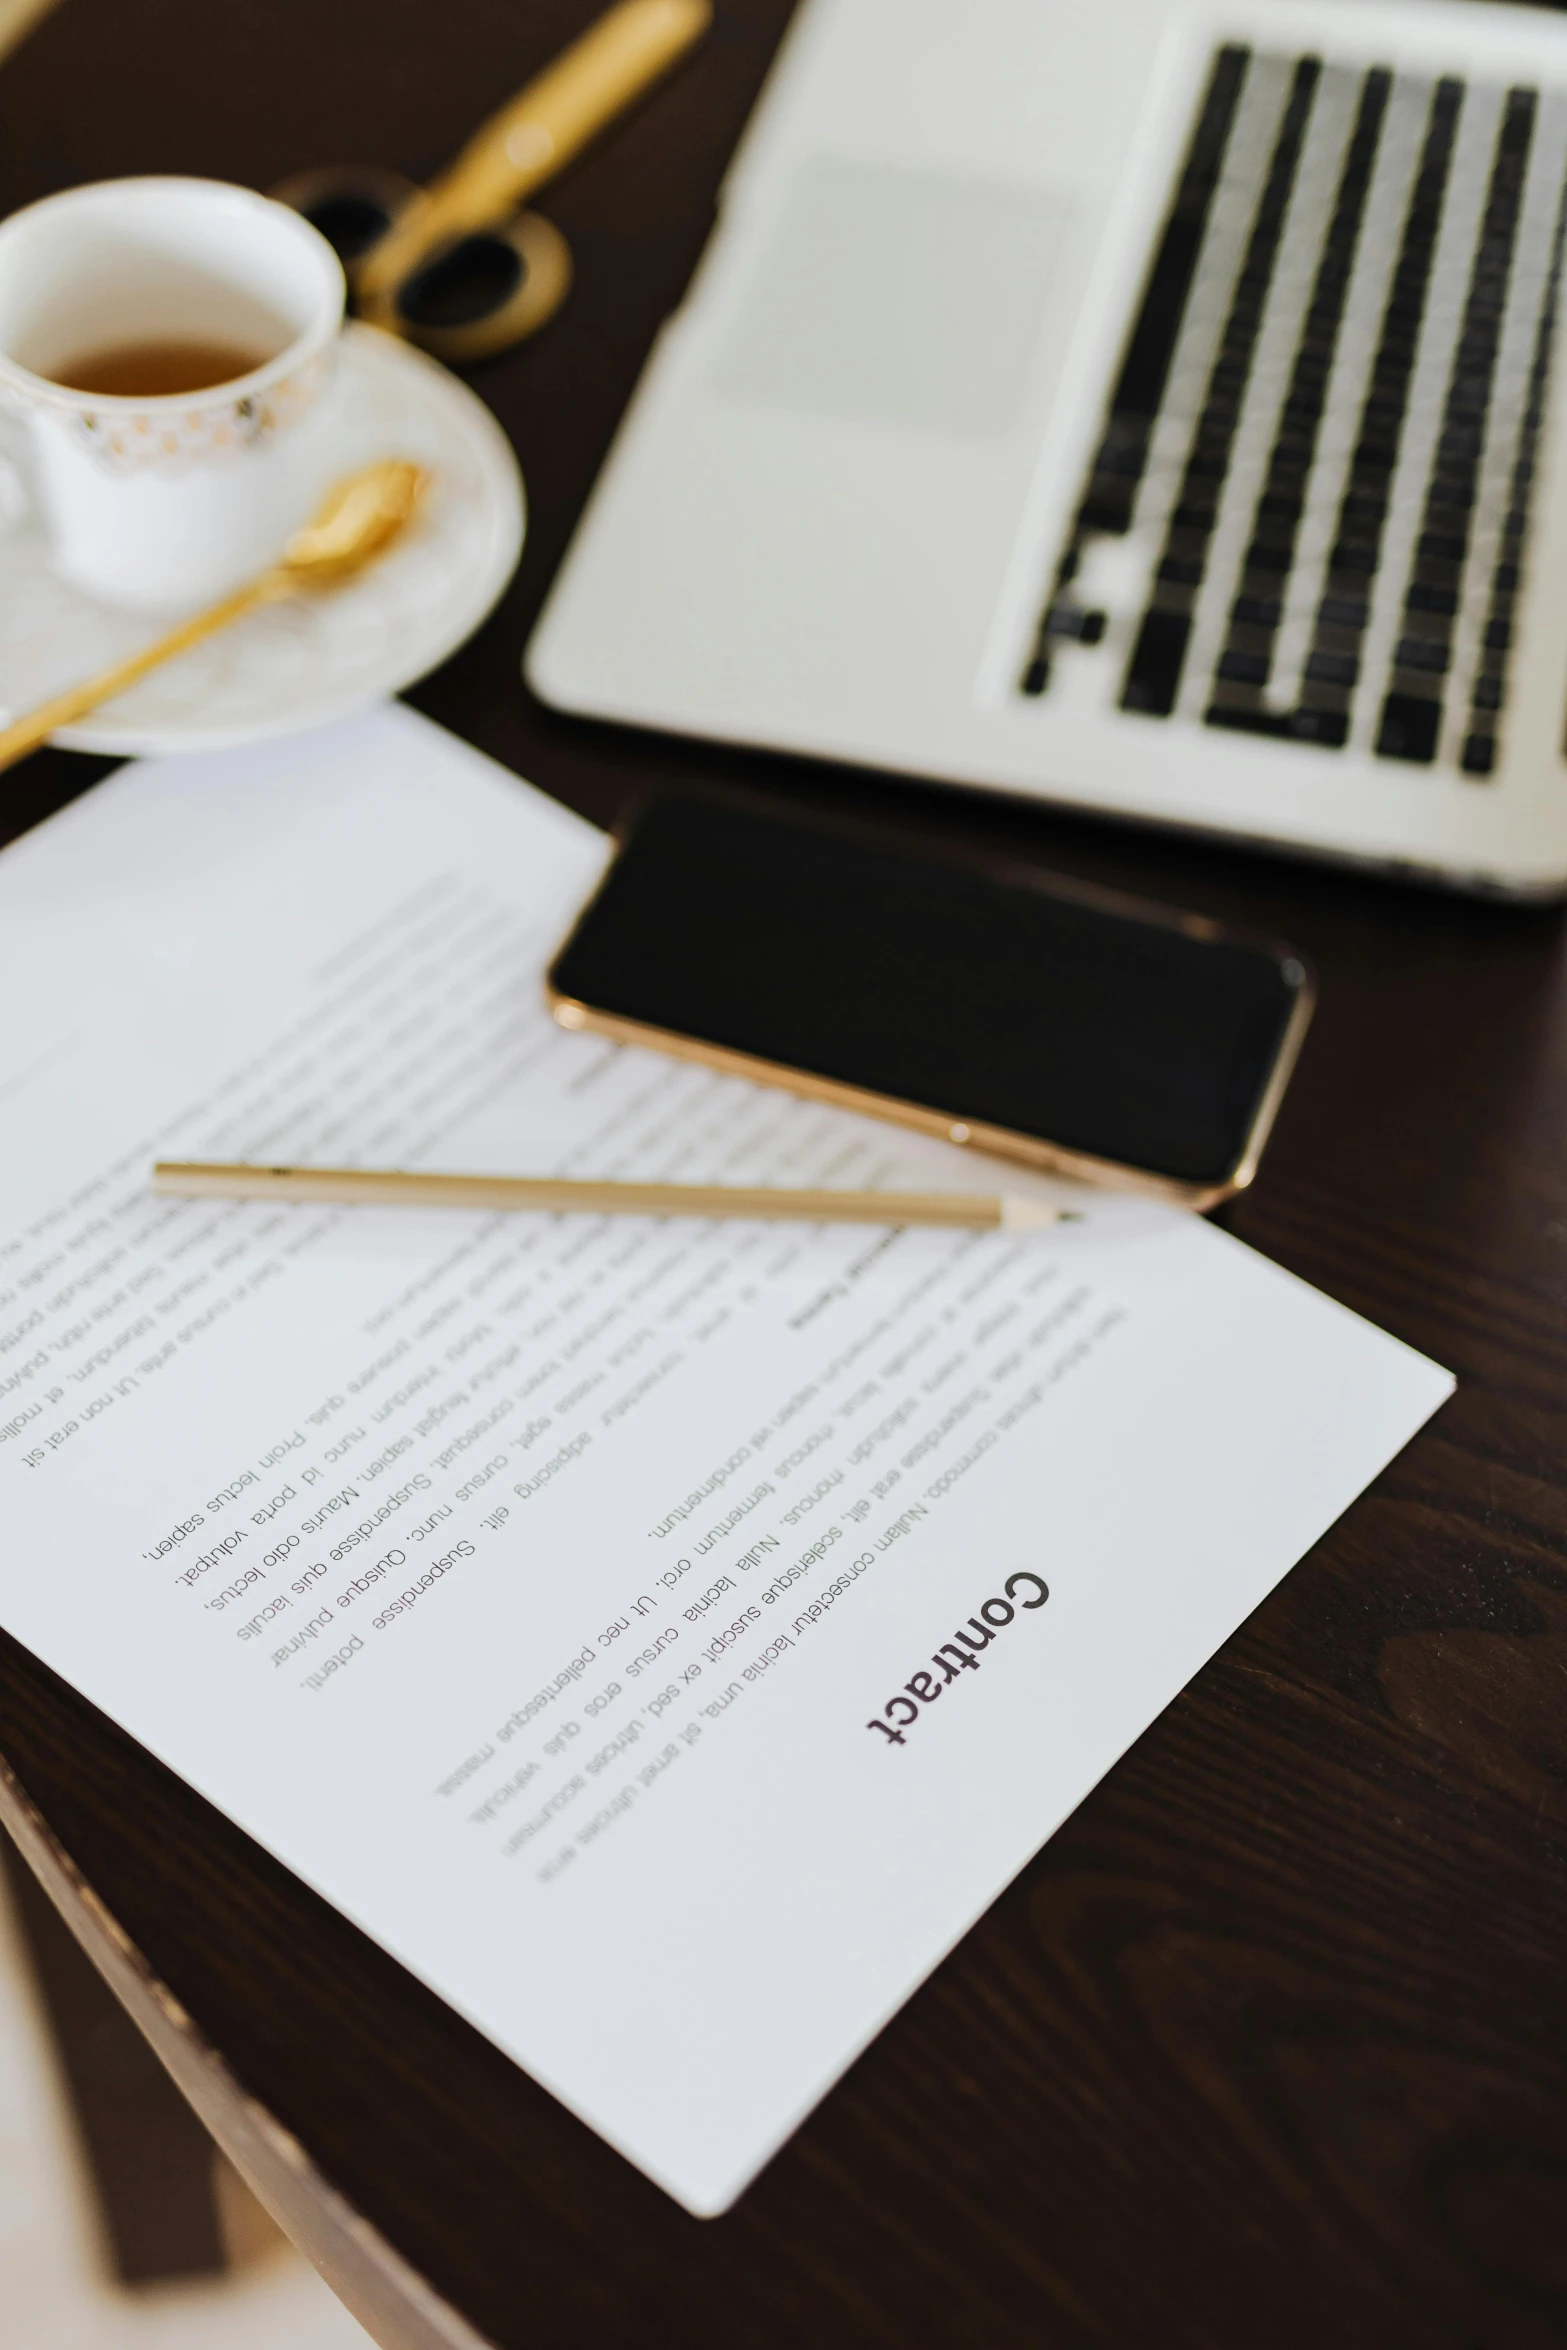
point(170, 500)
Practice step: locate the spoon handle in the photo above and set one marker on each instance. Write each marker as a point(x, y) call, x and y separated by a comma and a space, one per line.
point(27, 733)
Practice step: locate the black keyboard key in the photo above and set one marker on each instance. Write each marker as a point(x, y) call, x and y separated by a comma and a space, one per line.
point(1245, 718)
point(1409, 729)
point(1422, 652)
point(1153, 679)
point(1332, 668)
point(1071, 622)
point(1243, 668)
point(1102, 517)
point(1270, 555)
point(1327, 727)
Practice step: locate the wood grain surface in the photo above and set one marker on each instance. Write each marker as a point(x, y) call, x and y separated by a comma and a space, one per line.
point(1267, 2047)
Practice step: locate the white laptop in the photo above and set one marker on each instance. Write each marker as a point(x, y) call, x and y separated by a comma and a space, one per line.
point(1149, 407)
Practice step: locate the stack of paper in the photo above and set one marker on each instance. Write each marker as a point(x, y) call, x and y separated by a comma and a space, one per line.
point(665, 1637)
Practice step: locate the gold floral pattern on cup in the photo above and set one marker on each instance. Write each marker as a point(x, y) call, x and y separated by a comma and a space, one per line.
point(148, 440)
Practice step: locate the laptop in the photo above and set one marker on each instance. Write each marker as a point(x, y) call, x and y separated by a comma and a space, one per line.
point(1144, 407)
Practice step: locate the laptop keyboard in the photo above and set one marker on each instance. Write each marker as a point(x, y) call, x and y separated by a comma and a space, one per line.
point(1309, 510)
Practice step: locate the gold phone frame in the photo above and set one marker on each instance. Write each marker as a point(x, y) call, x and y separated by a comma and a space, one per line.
point(1001, 1142)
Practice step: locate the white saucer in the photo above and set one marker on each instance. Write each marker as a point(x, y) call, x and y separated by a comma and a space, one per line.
point(298, 664)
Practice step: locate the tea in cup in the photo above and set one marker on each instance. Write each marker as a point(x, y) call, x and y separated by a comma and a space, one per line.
point(170, 343)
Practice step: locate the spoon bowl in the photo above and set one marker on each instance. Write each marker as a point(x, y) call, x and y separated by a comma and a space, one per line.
point(356, 522)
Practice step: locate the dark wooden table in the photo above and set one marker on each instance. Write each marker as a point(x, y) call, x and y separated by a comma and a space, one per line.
point(1266, 2047)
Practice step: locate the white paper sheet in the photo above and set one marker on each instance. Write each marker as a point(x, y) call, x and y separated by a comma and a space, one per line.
point(638, 1628)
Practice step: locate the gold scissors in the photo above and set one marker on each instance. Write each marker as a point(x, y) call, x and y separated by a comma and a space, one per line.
point(456, 266)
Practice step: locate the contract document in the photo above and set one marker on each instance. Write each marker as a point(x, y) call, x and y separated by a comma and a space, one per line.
point(665, 1637)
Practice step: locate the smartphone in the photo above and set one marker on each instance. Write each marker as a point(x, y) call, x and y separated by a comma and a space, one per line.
point(1038, 1018)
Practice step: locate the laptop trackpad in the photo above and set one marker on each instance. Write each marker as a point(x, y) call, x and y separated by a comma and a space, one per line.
point(891, 294)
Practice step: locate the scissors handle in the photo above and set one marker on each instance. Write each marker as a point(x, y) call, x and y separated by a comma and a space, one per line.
point(612, 63)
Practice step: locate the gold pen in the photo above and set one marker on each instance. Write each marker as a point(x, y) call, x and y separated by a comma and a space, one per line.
point(557, 1195)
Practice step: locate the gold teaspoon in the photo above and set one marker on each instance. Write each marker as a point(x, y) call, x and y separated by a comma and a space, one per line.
point(358, 520)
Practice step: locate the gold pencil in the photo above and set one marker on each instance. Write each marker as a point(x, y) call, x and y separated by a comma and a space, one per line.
point(568, 1194)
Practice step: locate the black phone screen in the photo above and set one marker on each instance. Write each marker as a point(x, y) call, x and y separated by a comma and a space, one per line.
point(1050, 1010)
